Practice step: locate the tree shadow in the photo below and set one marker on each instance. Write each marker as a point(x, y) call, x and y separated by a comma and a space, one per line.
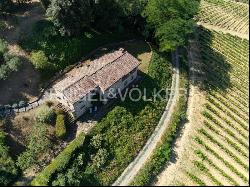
point(21, 85)
point(22, 14)
point(147, 85)
point(214, 68)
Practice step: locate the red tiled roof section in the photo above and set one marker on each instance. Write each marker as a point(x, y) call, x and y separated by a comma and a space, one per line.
point(113, 72)
point(102, 72)
point(86, 69)
point(79, 89)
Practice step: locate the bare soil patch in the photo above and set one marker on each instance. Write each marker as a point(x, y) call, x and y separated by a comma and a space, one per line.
point(22, 85)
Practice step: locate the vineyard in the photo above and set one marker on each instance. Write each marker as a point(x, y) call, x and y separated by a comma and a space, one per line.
point(225, 14)
point(220, 145)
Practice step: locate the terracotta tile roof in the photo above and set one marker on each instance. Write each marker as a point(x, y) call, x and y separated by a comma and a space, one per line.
point(113, 72)
point(102, 72)
point(79, 89)
point(85, 69)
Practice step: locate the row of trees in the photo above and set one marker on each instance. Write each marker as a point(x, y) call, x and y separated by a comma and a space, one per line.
point(71, 16)
point(167, 21)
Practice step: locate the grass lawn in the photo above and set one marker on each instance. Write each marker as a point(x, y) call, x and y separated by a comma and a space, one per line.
point(142, 51)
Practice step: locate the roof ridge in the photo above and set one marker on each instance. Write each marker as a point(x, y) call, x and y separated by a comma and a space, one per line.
point(109, 63)
point(65, 89)
point(125, 52)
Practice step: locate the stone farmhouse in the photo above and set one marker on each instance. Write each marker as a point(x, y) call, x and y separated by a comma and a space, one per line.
point(111, 72)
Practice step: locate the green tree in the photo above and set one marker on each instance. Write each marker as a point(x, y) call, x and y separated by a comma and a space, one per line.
point(45, 3)
point(96, 141)
point(171, 21)
point(4, 71)
point(70, 16)
point(3, 49)
point(99, 159)
point(8, 170)
point(40, 60)
point(13, 64)
point(5, 5)
point(26, 159)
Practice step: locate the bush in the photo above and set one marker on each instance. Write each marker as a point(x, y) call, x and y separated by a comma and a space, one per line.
point(15, 106)
point(60, 126)
point(4, 72)
point(38, 144)
point(9, 62)
point(8, 170)
point(6, 5)
point(3, 47)
point(59, 163)
point(26, 159)
point(13, 64)
point(45, 115)
point(22, 104)
point(159, 69)
point(40, 60)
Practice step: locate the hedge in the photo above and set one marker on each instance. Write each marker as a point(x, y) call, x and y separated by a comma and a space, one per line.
point(59, 163)
point(60, 126)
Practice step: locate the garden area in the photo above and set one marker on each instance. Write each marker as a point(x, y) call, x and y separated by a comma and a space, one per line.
point(117, 138)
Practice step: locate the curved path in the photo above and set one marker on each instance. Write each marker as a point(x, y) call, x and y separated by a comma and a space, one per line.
point(130, 172)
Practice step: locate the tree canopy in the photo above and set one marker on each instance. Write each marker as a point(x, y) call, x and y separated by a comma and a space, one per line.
point(70, 16)
point(5, 5)
point(171, 21)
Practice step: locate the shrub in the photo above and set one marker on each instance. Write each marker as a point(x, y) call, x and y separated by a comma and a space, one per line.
point(4, 71)
point(8, 170)
point(40, 60)
point(22, 104)
point(96, 141)
point(38, 140)
point(15, 106)
point(13, 64)
point(38, 144)
point(6, 5)
point(59, 163)
point(45, 115)
point(10, 63)
point(26, 159)
point(100, 159)
point(60, 126)
point(159, 69)
point(3, 47)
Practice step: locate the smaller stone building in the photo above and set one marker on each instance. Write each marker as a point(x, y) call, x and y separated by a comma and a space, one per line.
point(95, 80)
